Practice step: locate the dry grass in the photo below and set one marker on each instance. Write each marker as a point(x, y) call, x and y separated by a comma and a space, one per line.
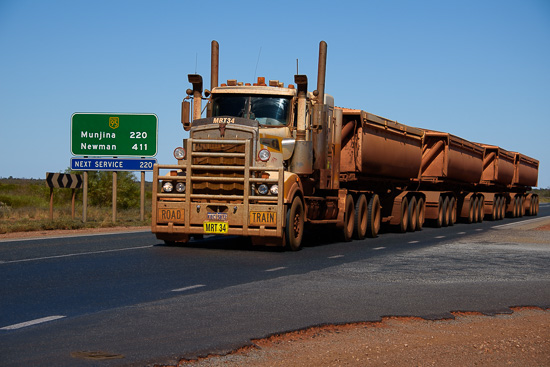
point(25, 206)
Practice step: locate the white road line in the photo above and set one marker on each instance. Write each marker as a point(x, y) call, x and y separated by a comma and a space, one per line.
point(76, 254)
point(479, 229)
point(439, 237)
point(277, 269)
point(32, 322)
point(378, 248)
point(188, 288)
point(335, 256)
point(414, 241)
point(461, 233)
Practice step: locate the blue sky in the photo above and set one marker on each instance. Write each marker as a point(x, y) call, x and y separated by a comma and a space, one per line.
point(477, 69)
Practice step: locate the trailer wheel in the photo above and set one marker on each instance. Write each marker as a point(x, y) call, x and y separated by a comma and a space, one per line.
point(529, 211)
point(474, 209)
point(360, 224)
point(452, 211)
point(522, 206)
point(373, 216)
point(349, 215)
point(494, 213)
point(404, 220)
point(481, 209)
point(502, 207)
point(294, 230)
point(445, 210)
point(440, 213)
point(470, 218)
point(413, 215)
point(515, 213)
point(421, 212)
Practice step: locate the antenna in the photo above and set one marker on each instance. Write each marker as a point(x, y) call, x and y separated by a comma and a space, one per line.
point(257, 62)
point(196, 61)
point(297, 73)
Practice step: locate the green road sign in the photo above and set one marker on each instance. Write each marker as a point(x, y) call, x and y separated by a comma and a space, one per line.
point(114, 134)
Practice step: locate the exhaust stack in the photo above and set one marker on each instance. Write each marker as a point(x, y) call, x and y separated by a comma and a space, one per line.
point(214, 64)
point(320, 137)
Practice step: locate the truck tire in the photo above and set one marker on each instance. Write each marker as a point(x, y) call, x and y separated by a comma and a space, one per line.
point(440, 220)
point(349, 215)
point(294, 230)
point(502, 208)
point(516, 207)
point(529, 211)
point(481, 209)
point(413, 214)
point(404, 220)
point(494, 212)
point(446, 212)
point(452, 211)
point(522, 206)
point(360, 224)
point(373, 216)
point(474, 209)
point(421, 212)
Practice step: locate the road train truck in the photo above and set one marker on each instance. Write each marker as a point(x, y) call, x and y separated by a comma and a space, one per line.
point(269, 159)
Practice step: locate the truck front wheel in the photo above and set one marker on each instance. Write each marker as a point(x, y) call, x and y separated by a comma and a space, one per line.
point(294, 230)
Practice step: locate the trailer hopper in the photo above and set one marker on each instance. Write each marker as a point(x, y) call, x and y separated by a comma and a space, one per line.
point(376, 147)
point(445, 156)
point(526, 170)
point(498, 166)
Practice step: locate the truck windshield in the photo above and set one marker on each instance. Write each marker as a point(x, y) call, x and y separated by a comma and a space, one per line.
point(267, 110)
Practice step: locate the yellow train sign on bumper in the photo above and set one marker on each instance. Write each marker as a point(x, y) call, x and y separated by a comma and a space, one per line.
point(263, 218)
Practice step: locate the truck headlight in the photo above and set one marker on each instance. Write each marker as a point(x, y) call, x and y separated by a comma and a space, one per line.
point(264, 155)
point(179, 153)
point(263, 189)
point(167, 186)
point(274, 190)
point(180, 187)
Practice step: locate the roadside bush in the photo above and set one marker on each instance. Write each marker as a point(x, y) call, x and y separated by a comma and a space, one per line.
point(100, 189)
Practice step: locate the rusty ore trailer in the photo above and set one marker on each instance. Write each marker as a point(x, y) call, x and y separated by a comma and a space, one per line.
point(268, 159)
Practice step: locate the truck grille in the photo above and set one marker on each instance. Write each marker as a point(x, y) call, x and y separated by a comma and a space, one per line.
point(226, 177)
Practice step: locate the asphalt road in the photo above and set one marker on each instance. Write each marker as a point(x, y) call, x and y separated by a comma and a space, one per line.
point(126, 299)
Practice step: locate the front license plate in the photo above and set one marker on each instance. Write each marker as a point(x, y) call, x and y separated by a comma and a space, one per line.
point(165, 215)
point(215, 227)
point(263, 218)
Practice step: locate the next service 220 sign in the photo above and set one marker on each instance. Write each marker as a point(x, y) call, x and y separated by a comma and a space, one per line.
point(114, 135)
